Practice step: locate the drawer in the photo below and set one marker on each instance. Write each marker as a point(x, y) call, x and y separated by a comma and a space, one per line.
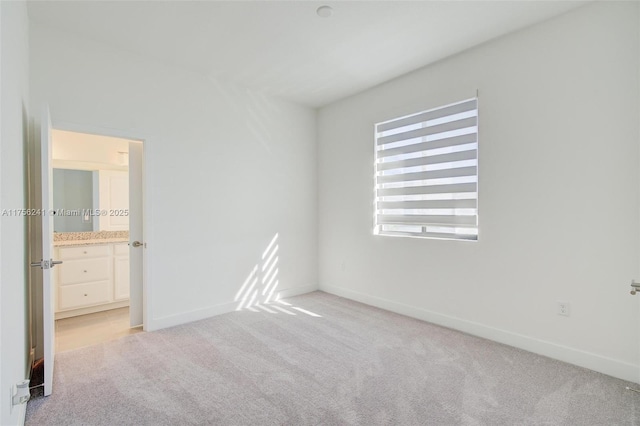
point(83, 252)
point(121, 249)
point(77, 271)
point(79, 295)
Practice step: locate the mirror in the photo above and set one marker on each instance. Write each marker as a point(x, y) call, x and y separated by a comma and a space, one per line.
point(72, 193)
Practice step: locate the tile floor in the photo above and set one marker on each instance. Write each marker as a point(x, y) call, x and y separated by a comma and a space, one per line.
point(91, 329)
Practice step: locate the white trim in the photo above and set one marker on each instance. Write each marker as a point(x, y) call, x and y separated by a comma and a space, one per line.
point(191, 316)
point(212, 311)
point(296, 291)
point(612, 367)
point(91, 309)
point(147, 222)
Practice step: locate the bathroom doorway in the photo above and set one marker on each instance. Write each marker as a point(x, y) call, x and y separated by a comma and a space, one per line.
point(91, 200)
point(98, 235)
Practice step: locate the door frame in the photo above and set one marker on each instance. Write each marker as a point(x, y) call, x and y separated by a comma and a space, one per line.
point(146, 202)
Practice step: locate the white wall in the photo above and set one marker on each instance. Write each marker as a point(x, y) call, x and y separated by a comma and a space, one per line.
point(14, 76)
point(558, 193)
point(227, 169)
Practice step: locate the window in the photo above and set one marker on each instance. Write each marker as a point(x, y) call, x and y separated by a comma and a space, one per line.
point(427, 173)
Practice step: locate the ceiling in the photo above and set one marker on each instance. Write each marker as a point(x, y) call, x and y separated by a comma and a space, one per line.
point(82, 151)
point(284, 48)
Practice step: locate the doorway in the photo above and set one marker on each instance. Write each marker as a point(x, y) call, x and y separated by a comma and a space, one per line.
point(97, 214)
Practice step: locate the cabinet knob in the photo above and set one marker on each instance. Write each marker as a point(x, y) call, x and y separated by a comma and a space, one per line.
point(85, 252)
point(85, 294)
point(85, 271)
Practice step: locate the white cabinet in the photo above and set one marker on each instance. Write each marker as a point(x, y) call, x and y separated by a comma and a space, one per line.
point(91, 278)
point(85, 270)
point(82, 295)
point(112, 199)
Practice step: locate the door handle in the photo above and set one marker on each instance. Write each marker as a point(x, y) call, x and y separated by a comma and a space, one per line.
point(136, 244)
point(634, 287)
point(46, 264)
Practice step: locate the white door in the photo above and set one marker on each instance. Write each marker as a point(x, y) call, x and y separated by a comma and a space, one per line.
point(48, 294)
point(136, 241)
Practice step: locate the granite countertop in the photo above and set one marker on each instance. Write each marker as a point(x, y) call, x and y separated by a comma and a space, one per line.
point(89, 242)
point(64, 239)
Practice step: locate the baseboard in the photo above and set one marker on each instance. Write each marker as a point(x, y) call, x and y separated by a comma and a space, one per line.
point(296, 291)
point(223, 308)
point(91, 309)
point(609, 366)
point(186, 317)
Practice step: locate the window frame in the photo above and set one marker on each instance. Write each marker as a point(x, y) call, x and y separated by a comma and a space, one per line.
point(409, 139)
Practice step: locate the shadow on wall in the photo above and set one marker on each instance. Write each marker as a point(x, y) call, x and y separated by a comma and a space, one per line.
point(258, 292)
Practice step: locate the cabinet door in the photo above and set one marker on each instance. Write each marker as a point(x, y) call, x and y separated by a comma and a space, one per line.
point(121, 277)
point(113, 200)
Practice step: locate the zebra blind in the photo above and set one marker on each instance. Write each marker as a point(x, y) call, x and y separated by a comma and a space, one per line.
point(427, 173)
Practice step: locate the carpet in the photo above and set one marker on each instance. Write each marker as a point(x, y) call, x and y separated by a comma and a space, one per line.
point(319, 359)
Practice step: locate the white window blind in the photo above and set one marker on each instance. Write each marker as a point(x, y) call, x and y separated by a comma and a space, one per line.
point(427, 173)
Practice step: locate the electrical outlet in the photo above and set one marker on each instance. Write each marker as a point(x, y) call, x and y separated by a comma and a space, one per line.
point(564, 308)
point(20, 393)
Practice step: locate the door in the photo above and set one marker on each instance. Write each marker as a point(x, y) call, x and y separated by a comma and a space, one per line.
point(136, 245)
point(46, 263)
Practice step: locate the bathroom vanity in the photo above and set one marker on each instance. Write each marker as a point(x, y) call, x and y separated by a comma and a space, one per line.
point(94, 275)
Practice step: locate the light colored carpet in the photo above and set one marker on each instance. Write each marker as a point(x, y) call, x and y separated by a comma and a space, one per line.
point(353, 364)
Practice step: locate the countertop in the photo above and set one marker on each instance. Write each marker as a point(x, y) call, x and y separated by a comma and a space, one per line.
point(68, 243)
point(65, 239)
